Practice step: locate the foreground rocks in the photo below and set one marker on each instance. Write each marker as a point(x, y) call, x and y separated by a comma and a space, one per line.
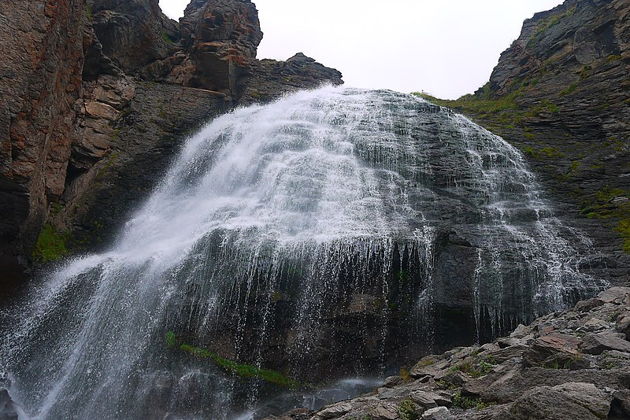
point(574, 364)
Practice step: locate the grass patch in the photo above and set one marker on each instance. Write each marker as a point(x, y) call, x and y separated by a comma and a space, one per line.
point(405, 375)
point(232, 367)
point(475, 369)
point(51, 245)
point(477, 105)
point(569, 90)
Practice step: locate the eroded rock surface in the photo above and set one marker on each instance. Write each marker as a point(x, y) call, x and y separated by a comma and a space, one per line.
point(540, 371)
point(561, 93)
point(41, 43)
point(98, 95)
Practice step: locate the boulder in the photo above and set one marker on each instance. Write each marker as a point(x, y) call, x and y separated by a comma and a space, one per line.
point(614, 295)
point(334, 411)
point(132, 33)
point(598, 343)
point(438, 413)
point(583, 401)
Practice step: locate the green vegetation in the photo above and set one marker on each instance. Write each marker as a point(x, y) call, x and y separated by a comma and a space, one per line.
point(167, 38)
point(405, 375)
point(51, 245)
point(467, 403)
point(603, 207)
point(232, 367)
point(624, 230)
point(407, 410)
point(475, 369)
point(475, 104)
point(171, 339)
point(547, 24)
point(89, 13)
point(570, 89)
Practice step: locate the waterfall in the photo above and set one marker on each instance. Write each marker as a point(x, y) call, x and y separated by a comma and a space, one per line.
point(334, 233)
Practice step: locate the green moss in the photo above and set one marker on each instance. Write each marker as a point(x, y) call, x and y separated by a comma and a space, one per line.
point(89, 13)
point(171, 339)
point(51, 245)
point(232, 367)
point(166, 37)
point(601, 206)
point(624, 229)
point(613, 58)
point(407, 410)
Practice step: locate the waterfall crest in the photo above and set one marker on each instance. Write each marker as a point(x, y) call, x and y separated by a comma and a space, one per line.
point(323, 235)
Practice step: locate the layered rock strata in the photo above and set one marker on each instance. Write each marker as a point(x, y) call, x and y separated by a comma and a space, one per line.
point(97, 97)
point(561, 93)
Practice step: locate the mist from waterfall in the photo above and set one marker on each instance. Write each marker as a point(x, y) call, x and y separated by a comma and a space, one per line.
point(321, 236)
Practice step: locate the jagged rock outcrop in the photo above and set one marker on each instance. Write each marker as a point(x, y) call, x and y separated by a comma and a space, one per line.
point(561, 93)
point(41, 43)
point(97, 96)
point(133, 33)
point(575, 362)
point(270, 78)
point(221, 37)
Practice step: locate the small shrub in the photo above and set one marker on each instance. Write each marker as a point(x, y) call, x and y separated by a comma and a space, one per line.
point(407, 410)
point(405, 375)
point(467, 403)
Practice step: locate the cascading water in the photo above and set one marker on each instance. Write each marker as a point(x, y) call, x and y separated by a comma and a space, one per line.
point(333, 233)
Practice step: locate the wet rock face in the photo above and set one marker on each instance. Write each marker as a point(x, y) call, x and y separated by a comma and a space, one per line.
point(7, 407)
point(544, 370)
point(271, 78)
point(561, 94)
point(68, 85)
point(42, 42)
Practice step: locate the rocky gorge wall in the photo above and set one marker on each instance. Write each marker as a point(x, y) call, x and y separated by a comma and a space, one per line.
point(561, 94)
point(98, 94)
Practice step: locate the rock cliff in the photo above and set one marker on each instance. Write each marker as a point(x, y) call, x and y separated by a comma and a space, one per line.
point(98, 95)
point(41, 43)
point(576, 363)
point(561, 94)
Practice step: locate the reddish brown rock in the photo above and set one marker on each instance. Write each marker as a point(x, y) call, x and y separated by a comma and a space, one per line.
point(222, 37)
point(41, 42)
point(81, 130)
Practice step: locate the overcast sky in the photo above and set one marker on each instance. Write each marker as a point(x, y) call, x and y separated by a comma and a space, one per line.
point(445, 47)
